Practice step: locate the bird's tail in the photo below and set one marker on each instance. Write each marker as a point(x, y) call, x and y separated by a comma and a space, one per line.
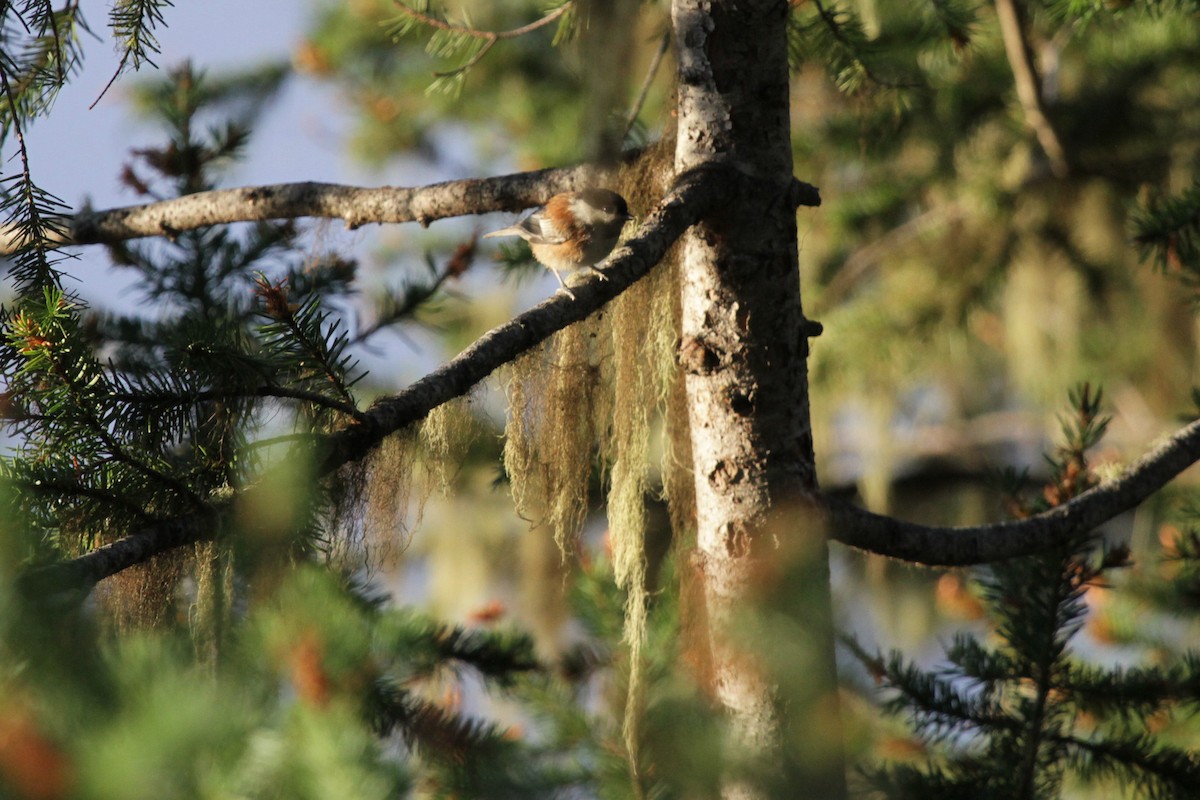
point(511, 230)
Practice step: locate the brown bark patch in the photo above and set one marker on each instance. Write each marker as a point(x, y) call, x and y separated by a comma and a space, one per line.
point(698, 357)
point(738, 539)
point(725, 474)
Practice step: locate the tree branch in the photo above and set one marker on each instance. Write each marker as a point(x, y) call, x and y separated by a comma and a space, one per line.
point(440, 24)
point(690, 199)
point(80, 574)
point(651, 72)
point(354, 205)
point(489, 37)
point(1029, 84)
point(849, 525)
point(980, 544)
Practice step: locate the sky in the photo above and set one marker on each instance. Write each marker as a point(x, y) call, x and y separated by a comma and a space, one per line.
point(77, 152)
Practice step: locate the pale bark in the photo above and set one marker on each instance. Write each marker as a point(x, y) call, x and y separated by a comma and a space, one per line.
point(354, 205)
point(743, 349)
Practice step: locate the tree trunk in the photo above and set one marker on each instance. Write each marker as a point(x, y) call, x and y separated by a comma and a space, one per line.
point(743, 349)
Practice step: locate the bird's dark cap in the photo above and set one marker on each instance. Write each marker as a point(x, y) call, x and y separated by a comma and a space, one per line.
point(607, 200)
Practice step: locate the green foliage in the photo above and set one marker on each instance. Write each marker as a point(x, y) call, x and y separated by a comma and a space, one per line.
point(1185, 555)
point(945, 258)
point(1019, 717)
point(1168, 232)
point(315, 672)
point(40, 50)
point(392, 305)
point(126, 420)
point(462, 43)
point(35, 216)
point(324, 688)
point(938, 202)
point(133, 23)
point(681, 741)
point(835, 37)
point(264, 675)
point(410, 75)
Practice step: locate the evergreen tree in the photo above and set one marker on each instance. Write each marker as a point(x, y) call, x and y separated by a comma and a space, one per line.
point(210, 473)
point(1023, 717)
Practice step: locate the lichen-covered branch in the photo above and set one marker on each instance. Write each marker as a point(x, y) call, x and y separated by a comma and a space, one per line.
point(77, 576)
point(980, 544)
point(850, 525)
point(681, 208)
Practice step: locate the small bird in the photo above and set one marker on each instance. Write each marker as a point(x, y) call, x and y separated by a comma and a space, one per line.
point(573, 230)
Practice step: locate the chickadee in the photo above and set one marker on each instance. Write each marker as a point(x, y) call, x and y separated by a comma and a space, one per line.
point(573, 230)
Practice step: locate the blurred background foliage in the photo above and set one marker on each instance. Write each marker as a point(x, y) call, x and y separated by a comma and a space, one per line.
point(964, 284)
point(958, 278)
point(526, 104)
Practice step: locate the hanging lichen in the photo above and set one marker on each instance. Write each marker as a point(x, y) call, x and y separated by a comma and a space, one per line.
point(212, 607)
point(550, 437)
point(604, 387)
point(524, 471)
point(446, 436)
point(144, 596)
point(629, 446)
point(675, 464)
point(644, 182)
point(570, 436)
point(382, 503)
point(390, 491)
point(644, 331)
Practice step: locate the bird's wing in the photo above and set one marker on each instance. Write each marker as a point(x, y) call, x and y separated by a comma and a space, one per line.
point(535, 229)
point(540, 230)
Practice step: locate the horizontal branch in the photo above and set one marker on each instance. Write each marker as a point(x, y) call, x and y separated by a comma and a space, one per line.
point(682, 207)
point(354, 205)
point(981, 544)
point(82, 573)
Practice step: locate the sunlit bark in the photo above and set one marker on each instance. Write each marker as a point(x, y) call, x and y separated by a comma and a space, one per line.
point(743, 348)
